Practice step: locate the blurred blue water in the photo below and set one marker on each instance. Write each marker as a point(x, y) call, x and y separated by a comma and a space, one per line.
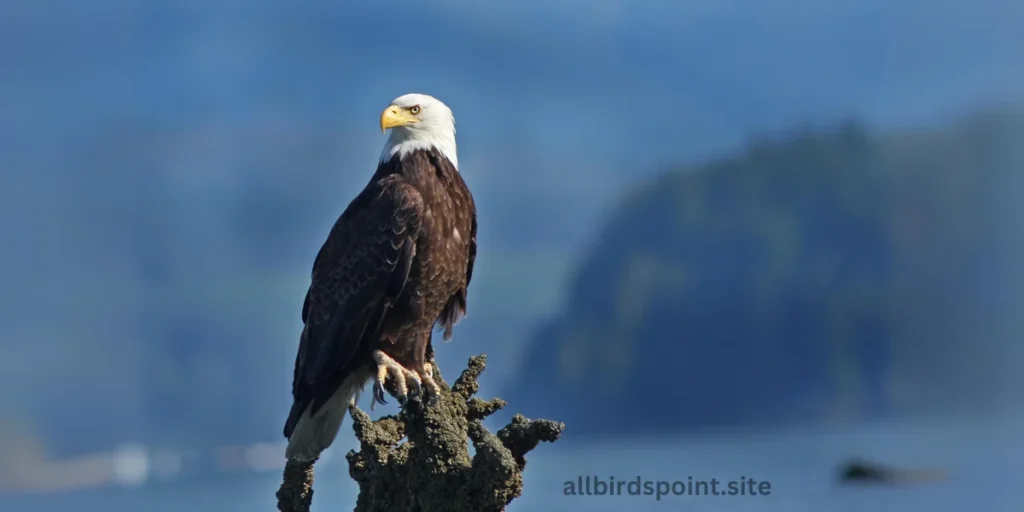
point(983, 460)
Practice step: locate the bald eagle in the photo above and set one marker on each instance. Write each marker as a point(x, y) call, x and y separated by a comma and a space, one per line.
point(397, 263)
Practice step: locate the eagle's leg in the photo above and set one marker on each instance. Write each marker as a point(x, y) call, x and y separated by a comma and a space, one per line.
point(386, 366)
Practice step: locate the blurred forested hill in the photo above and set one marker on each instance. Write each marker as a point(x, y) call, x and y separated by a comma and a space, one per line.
point(835, 272)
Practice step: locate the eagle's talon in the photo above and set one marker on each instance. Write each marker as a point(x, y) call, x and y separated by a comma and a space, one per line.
point(431, 389)
point(379, 395)
point(415, 386)
point(407, 383)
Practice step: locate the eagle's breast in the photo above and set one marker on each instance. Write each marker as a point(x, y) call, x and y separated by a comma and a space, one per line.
point(442, 251)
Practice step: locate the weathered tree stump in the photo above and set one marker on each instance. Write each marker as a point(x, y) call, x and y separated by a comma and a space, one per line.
point(418, 460)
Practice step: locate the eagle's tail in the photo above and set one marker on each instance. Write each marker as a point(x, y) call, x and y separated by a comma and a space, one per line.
point(309, 435)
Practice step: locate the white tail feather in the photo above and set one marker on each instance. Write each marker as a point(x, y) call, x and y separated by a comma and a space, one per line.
point(314, 434)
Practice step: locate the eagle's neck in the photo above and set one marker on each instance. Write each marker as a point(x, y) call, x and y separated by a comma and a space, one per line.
point(401, 143)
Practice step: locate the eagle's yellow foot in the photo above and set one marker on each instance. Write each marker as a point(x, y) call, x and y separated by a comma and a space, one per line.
point(386, 366)
point(433, 391)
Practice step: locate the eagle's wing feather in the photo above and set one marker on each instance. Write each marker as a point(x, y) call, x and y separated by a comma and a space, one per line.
point(455, 309)
point(358, 275)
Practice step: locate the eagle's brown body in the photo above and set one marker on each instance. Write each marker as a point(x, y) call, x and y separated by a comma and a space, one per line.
point(396, 263)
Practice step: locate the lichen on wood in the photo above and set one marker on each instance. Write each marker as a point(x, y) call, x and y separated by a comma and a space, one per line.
point(296, 492)
point(419, 461)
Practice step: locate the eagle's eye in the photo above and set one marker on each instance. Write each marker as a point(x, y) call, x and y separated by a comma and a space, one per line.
point(415, 109)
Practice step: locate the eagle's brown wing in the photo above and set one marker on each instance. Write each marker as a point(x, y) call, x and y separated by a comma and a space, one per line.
point(455, 309)
point(358, 275)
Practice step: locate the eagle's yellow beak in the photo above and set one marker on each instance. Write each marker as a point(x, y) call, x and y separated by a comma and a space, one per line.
point(394, 116)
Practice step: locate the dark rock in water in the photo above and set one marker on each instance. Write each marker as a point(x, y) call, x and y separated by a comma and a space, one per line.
point(864, 472)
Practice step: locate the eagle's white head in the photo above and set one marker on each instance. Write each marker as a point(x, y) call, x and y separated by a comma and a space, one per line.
point(418, 121)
